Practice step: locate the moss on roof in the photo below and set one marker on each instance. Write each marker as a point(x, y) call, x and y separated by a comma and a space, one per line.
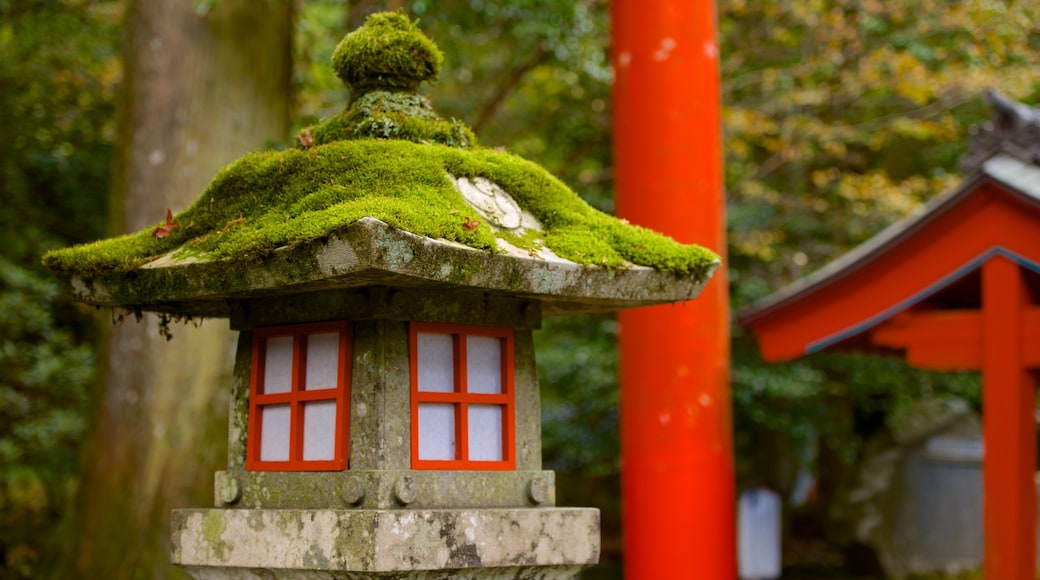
point(383, 63)
point(388, 156)
point(270, 200)
point(388, 53)
point(390, 115)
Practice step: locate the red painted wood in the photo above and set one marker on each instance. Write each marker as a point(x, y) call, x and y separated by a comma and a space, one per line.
point(1009, 428)
point(462, 398)
point(676, 443)
point(941, 340)
point(985, 228)
point(297, 396)
point(951, 340)
point(988, 218)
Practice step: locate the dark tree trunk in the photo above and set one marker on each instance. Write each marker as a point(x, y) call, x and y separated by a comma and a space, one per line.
point(201, 89)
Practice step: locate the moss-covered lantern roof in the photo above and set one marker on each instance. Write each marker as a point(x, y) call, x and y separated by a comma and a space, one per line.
point(387, 193)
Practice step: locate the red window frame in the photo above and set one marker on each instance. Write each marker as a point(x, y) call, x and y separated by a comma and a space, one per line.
point(462, 399)
point(298, 396)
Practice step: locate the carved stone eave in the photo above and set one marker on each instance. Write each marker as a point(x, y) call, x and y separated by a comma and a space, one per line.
point(370, 253)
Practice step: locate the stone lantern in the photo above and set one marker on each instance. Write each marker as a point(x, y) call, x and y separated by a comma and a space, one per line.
point(385, 277)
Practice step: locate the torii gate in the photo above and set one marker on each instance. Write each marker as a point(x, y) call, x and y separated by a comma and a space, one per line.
point(955, 287)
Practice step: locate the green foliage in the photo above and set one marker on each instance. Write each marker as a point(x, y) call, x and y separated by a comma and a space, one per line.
point(843, 118)
point(58, 77)
point(44, 375)
point(577, 368)
point(847, 116)
point(57, 81)
point(388, 53)
point(839, 118)
point(528, 75)
point(532, 76)
point(805, 400)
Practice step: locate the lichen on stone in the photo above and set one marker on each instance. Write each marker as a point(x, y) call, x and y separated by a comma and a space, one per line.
point(392, 115)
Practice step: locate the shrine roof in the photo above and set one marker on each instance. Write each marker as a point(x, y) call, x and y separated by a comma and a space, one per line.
point(385, 193)
point(995, 209)
point(1017, 176)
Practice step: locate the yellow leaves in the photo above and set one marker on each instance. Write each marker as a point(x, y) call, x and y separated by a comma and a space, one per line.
point(753, 189)
point(875, 191)
point(772, 144)
point(999, 32)
point(822, 177)
point(835, 124)
point(759, 244)
point(874, 7)
point(738, 147)
point(748, 121)
point(835, 148)
point(911, 78)
point(900, 70)
point(943, 129)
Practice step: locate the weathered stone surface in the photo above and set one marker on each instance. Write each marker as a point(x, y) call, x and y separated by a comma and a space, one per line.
point(459, 306)
point(380, 444)
point(918, 503)
point(495, 205)
point(432, 489)
point(386, 543)
point(372, 253)
point(506, 573)
point(380, 406)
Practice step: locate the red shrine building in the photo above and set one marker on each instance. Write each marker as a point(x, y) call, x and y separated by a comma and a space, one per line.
point(954, 287)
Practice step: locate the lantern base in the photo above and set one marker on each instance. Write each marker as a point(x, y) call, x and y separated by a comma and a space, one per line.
point(399, 543)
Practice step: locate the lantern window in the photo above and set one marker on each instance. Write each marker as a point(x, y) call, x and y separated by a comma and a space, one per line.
point(462, 397)
point(299, 394)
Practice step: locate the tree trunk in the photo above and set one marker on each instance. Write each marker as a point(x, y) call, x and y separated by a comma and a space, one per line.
point(201, 89)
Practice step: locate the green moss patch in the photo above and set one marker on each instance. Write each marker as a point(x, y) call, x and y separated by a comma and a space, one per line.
point(388, 155)
point(272, 200)
point(386, 115)
point(388, 53)
point(384, 62)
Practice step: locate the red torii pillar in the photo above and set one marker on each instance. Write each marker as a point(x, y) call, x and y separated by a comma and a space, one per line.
point(677, 474)
point(1003, 340)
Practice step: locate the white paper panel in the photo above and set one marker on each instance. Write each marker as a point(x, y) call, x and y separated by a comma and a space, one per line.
point(436, 431)
point(278, 365)
point(322, 360)
point(484, 364)
point(435, 362)
point(319, 430)
point(274, 433)
point(485, 433)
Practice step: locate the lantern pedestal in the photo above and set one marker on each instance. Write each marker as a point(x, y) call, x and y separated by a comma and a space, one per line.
point(397, 543)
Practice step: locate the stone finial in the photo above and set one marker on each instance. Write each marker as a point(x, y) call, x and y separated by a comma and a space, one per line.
point(383, 63)
point(387, 53)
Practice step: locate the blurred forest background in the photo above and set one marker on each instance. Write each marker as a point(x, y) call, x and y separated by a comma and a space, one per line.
point(839, 116)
